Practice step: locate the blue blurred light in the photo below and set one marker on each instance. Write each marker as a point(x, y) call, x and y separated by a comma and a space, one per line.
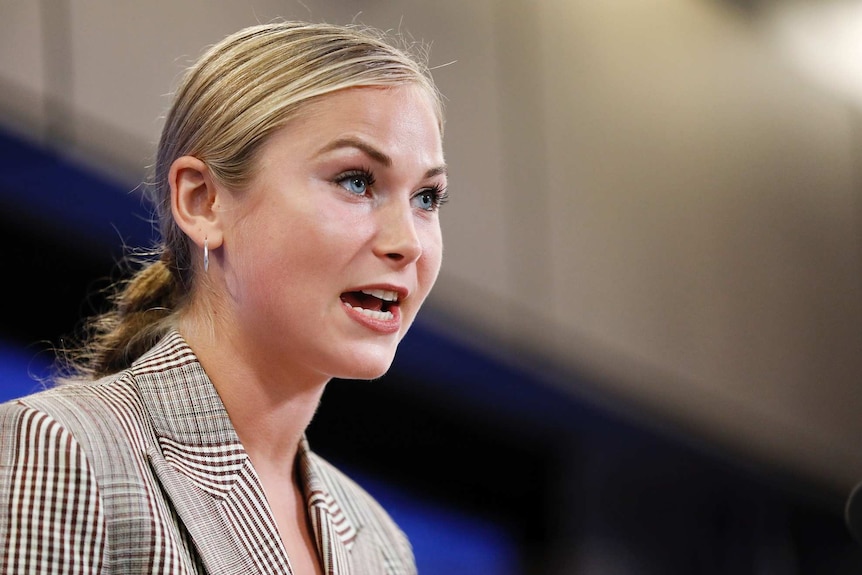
point(21, 371)
point(445, 540)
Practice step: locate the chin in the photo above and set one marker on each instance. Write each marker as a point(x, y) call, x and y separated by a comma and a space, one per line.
point(371, 370)
point(366, 365)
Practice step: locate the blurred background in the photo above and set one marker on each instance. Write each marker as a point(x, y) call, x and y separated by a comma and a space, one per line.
point(643, 352)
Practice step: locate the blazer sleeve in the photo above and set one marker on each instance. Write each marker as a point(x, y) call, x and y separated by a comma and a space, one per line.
point(51, 516)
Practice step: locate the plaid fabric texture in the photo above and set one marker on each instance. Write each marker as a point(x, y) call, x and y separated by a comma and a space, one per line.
point(142, 472)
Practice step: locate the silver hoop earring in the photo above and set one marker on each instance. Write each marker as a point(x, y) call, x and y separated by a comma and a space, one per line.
point(206, 255)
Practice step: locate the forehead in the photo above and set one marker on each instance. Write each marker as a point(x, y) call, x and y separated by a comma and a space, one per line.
point(403, 117)
point(414, 92)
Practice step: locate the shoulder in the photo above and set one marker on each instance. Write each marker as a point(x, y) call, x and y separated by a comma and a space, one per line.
point(43, 475)
point(76, 481)
point(45, 427)
point(31, 431)
point(368, 516)
point(105, 419)
point(85, 409)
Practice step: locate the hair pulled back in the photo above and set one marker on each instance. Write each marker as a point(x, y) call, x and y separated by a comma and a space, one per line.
point(227, 105)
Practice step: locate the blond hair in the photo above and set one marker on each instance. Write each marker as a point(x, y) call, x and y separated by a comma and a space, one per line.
point(228, 103)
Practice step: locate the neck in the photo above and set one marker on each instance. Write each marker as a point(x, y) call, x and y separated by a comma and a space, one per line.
point(270, 408)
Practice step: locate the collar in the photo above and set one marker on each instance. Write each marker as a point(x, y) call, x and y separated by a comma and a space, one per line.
point(324, 509)
point(191, 423)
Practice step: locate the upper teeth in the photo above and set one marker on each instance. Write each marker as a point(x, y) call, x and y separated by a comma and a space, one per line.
point(383, 294)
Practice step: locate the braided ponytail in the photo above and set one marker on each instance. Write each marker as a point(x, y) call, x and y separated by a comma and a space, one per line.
point(142, 312)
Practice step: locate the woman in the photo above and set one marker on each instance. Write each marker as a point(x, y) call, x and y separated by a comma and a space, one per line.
point(297, 184)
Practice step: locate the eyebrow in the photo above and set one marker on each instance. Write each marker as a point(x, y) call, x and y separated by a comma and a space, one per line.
point(373, 153)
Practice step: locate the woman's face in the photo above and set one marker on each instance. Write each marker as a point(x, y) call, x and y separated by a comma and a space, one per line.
point(329, 254)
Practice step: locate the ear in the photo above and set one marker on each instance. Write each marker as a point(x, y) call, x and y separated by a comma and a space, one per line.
point(195, 200)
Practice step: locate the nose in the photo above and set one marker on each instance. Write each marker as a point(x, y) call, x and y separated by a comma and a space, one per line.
point(397, 238)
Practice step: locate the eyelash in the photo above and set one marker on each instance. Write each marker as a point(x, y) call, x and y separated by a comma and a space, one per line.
point(439, 194)
point(362, 173)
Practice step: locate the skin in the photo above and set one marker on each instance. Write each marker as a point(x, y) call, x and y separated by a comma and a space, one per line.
point(270, 326)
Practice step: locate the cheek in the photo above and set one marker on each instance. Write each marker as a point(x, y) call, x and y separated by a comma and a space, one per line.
point(266, 255)
point(432, 256)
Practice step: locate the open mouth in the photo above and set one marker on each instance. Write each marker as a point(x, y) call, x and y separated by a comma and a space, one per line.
point(374, 303)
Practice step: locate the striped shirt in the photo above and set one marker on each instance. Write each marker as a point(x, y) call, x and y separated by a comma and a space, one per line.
point(142, 472)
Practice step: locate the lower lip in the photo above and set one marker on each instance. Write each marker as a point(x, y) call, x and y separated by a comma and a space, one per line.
point(381, 326)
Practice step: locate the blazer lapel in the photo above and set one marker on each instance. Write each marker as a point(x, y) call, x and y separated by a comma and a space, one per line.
point(328, 530)
point(199, 512)
point(335, 534)
point(202, 466)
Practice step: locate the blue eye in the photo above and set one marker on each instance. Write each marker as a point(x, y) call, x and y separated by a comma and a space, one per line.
point(357, 183)
point(430, 199)
point(425, 201)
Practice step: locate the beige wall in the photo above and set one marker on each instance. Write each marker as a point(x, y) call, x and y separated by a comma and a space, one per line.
point(650, 193)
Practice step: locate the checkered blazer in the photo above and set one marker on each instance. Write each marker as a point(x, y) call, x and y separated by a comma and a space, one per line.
point(142, 472)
